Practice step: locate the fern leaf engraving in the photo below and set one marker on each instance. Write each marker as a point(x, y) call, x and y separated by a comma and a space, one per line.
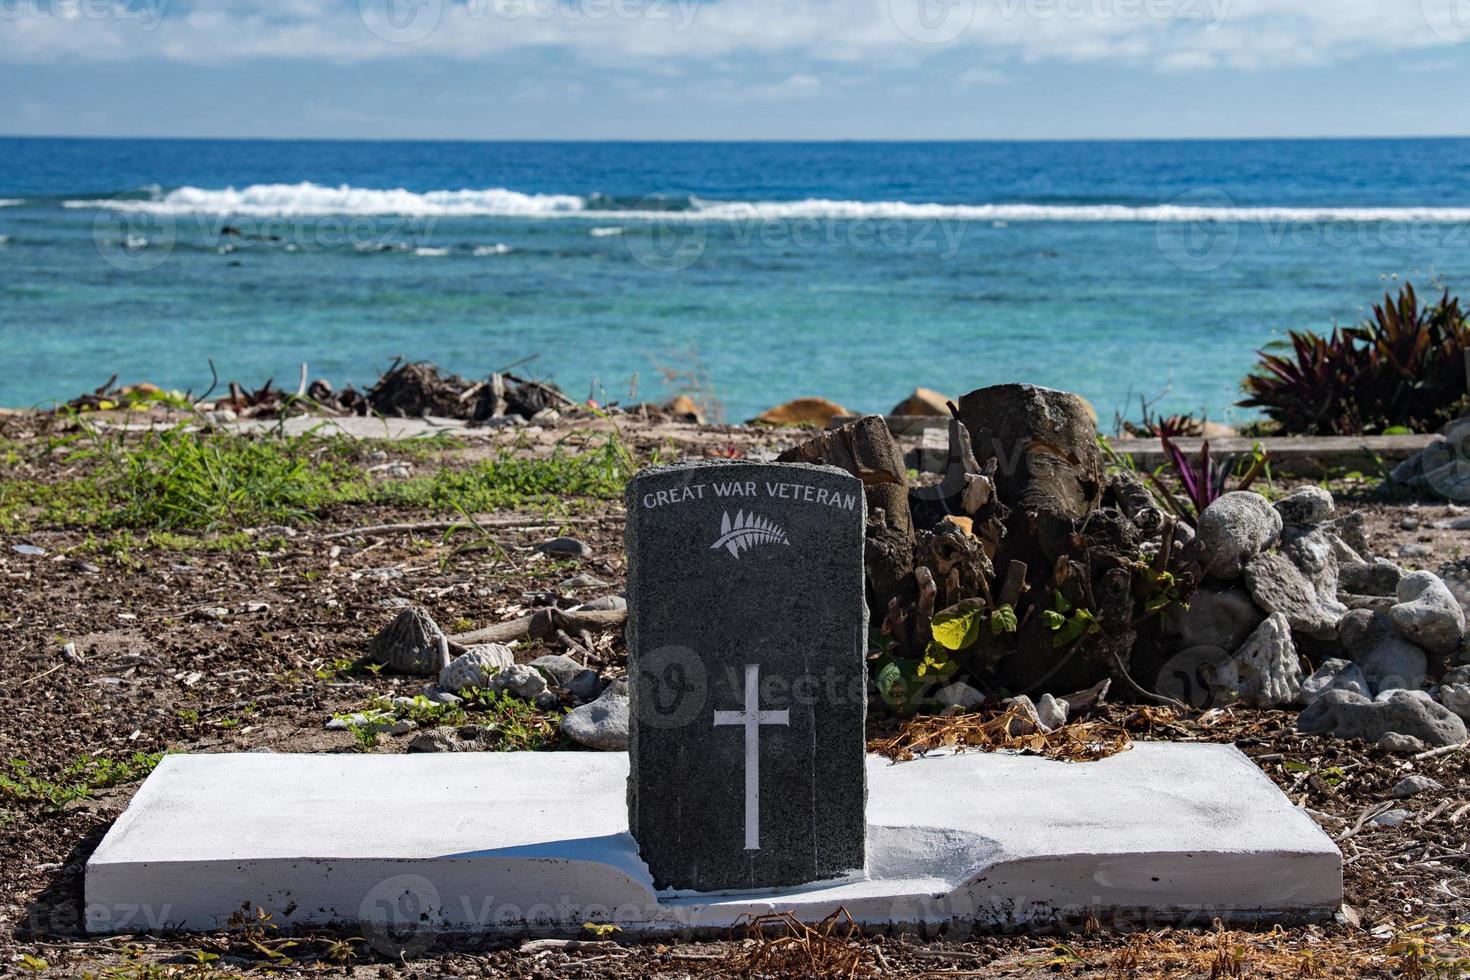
point(747, 531)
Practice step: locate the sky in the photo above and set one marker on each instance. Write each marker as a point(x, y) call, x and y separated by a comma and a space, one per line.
point(734, 69)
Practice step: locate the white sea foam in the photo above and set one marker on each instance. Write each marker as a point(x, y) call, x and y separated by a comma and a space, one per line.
point(9, 202)
point(605, 232)
point(430, 253)
point(310, 200)
point(499, 248)
point(1000, 214)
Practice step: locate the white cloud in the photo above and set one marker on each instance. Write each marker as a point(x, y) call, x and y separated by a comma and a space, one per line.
point(1172, 35)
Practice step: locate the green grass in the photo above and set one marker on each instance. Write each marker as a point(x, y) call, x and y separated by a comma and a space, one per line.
point(175, 480)
point(78, 780)
point(508, 724)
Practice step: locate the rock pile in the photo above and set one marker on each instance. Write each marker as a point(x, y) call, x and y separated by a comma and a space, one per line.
point(1294, 582)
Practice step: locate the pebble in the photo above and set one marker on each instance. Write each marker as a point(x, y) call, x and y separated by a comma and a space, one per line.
point(1409, 524)
point(1380, 577)
point(1392, 818)
point(1235, 528)
point(1279, 586)
point(437, 695)
point(1348, 715)
point(1335, 675)
point(411, 644)
point(583, 581)
point(1052, 711)
point(604, 603)
point(558, 668)
point(1307, 505)
point(1265, 671)
point(1399, 744)
point(28, 549)
point(959, 695)
point(1388, 661)
point(565, 548)
point(475, 667)
point(1413, 786)
point(1218, 618)
point(435, 740)
point(1415, 551)
point(601, 724)
point(519, 680)
point(1428, 613)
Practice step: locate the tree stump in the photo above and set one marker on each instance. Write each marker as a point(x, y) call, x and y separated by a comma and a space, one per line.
point(865, 448)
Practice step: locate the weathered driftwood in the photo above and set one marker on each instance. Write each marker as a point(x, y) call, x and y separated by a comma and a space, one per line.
point(544, 624)
point(865, 448)
point(1049, 469)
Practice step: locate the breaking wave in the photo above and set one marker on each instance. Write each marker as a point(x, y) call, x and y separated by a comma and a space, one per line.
point(314, 200)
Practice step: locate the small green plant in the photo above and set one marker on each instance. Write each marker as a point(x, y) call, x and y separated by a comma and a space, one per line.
point(1069, 623)
point(514, 725)
point(956, 634)
point(77, 780)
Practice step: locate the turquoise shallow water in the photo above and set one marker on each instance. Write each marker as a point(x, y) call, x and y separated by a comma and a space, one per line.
point(854, 271)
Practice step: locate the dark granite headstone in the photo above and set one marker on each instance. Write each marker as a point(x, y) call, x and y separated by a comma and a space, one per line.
point(746, 635)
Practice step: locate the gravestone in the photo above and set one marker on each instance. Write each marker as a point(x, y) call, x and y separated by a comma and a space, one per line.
point(747, 633)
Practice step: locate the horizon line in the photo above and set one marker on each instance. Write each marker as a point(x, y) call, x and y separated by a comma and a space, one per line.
point(726, 140)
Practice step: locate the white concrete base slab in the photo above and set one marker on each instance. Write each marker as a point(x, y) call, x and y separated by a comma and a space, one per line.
point(537, 842)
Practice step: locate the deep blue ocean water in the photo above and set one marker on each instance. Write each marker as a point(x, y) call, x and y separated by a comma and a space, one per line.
point(850, 270)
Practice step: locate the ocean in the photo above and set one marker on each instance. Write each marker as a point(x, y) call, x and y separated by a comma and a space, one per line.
point(757, 271)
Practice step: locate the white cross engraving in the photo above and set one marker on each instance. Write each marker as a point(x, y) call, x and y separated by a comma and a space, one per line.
point(752, 718)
